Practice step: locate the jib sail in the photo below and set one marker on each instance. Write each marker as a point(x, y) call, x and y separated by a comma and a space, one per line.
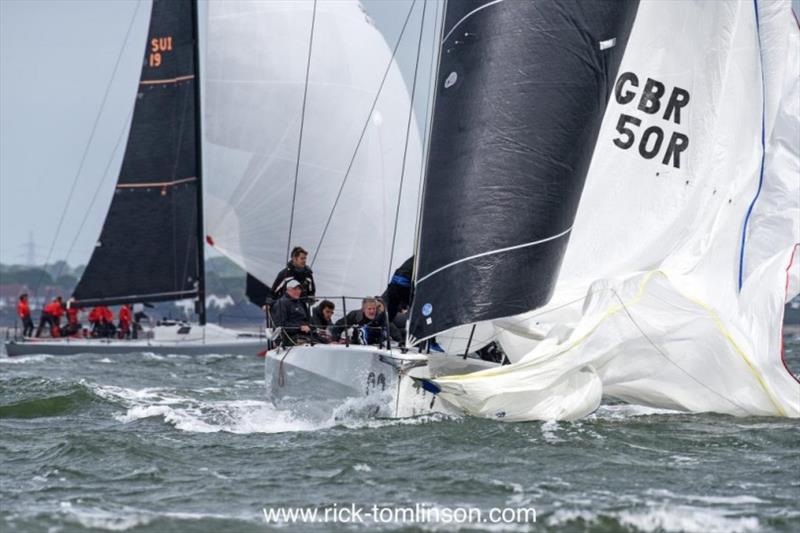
point(521, 92)
point(148, 247)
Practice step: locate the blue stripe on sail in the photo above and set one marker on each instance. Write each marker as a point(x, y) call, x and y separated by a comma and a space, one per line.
point(763, 150)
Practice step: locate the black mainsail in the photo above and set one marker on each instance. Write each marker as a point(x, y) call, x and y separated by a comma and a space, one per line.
point(521, 92)
point(150, 247)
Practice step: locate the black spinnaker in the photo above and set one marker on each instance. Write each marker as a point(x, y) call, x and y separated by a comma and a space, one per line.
point(521, 91)
point(148, 249)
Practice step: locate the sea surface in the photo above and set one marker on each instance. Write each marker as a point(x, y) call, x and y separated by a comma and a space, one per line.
point(178, 443)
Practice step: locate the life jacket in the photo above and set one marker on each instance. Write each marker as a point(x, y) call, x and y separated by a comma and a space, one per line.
point(23, 310)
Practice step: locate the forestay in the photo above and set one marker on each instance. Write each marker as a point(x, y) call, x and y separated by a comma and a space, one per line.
point(260, 200)
point(685, 245)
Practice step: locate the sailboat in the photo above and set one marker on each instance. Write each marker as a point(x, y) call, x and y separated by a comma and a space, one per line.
point(485, 114)
point(151, 247)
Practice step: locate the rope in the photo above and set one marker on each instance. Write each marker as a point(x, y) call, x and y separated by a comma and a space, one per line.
point(302, 123)
point(86, 149)
point(408, 135)
point(104, 177)
point(363, 132)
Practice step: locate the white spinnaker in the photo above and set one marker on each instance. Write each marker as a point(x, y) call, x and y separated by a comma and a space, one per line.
point(254, 80)
point(648, 299)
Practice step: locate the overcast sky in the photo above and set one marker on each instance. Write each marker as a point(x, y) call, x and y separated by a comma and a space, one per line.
point(57, 58)
point(56, 63)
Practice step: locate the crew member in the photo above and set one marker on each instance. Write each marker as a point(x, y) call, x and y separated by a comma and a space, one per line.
point(125, 317)
point(369, 326)
point(291, 314)
point(398, 293)
point(73, 326)
point(321, 321)
point(51, 316)
point(297, 270)
point(24, 313)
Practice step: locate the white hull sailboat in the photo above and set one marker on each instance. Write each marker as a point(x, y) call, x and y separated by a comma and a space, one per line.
point(166, 339)
point(151, 246)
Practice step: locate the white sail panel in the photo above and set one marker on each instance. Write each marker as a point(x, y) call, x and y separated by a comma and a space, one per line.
point(649, 298)
point(255, 79)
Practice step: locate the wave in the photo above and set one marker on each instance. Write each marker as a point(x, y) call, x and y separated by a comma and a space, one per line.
point(682, 518)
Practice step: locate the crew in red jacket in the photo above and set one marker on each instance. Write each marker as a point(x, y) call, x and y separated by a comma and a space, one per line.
point(24, 312)
point(51, 315)
point(73, 326)
point(125, 318)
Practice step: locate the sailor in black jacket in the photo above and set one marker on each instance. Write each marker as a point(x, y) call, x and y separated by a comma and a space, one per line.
point(369, 326)
point(398, 293)
point(291, 314)
point(297, 270)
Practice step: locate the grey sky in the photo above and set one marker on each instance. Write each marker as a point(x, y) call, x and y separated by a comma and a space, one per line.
point(56, 63)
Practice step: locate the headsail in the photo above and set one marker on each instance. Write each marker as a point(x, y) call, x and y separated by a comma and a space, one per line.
point(148, 250)
point(648, 306)
point(521, 92)
point(268, 186)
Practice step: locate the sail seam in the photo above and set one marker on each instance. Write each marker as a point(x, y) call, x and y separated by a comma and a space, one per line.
point(155, 183)
point(468, 15)
point(167, 80)
point(492, 252)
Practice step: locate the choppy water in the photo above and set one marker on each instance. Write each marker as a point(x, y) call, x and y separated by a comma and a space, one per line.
point(149, 443)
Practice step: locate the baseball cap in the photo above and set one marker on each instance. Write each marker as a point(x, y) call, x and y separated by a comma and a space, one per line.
point(292, 284)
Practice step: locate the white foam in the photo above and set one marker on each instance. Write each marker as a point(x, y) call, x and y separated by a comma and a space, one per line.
point(21, 359)
point(362, 467)
point(687, 519)
point(682, 518)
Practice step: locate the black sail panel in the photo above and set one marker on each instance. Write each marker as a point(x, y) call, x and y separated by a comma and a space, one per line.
point(521, 92)
point(147, 250)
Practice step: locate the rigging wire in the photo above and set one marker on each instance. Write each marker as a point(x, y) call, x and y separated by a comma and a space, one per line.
point(363, 132)
point(408, 135)
point(104, 178)
point(86, 150)
point(302, 123)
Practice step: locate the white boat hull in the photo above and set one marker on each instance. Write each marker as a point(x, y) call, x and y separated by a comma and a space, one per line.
point(324, 381)
point(163, 340)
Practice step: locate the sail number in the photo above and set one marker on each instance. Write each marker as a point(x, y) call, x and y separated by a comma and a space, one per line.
point(651, 100)
point(158, 45)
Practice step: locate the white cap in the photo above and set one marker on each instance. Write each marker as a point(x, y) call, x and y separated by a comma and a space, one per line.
point(292, 284)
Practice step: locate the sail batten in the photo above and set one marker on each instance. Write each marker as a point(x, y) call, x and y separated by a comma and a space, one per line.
point(148, 249)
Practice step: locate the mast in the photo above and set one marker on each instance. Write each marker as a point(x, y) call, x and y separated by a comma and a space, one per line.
point(200, 305)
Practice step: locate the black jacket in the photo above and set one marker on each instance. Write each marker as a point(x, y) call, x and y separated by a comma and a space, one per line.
point(304, 275)
point(289, 313)
point(317, 320)
point(366, 331)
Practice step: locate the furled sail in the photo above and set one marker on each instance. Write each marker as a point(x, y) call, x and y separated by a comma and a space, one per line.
point(147, 250)
point(520, 96)
point(685, 246)
point(287, 165)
